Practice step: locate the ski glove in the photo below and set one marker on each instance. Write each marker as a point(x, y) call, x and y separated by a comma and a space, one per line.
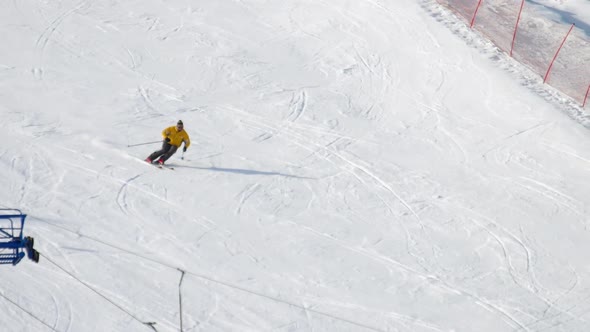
point(184, 149)
point(167, 140)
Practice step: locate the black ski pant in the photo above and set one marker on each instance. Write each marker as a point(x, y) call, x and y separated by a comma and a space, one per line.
point(165, 152)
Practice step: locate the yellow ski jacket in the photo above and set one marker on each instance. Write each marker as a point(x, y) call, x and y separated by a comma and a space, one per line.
point(176, 137)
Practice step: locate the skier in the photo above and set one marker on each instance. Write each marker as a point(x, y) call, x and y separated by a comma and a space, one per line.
point(173, 136)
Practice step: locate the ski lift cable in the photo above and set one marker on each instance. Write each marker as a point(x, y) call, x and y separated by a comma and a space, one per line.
point(150, 324)
point(28, 312)
point(216, 281)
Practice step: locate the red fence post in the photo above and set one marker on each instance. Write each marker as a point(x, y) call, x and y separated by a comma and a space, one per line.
point(516, 27)
point(584, 104)
point(556, 53)
point(475, 13)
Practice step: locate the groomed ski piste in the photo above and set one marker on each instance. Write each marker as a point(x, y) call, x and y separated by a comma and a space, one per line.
point(364, 165)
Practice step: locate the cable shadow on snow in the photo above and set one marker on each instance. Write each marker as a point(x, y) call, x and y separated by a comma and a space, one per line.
point(243, 171)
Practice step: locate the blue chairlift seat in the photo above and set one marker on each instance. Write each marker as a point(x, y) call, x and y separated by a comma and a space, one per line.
point(12, 243)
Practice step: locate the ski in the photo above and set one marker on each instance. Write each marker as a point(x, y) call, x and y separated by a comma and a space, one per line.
point(157, 164)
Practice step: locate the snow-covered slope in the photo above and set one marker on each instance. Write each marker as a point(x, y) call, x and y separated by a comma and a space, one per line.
point(355, 166)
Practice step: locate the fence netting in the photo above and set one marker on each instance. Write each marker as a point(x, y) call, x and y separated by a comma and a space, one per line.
point(532, 35)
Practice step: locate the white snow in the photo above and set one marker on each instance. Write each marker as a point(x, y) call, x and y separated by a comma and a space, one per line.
point(355, 166)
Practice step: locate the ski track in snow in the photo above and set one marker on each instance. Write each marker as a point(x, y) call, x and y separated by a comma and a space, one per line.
point(551, 194)
point(332, 152)
point(297, 108)
point(125, 184)
point(435, 281)
point(45, 36)
point(353, 168)
point(244, 195)
point(534, 286)
point(568, 153)
point(122, 195)
point(402, 319)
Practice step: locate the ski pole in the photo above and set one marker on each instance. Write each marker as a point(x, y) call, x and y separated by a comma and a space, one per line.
point(182, 157)
point(143, 143)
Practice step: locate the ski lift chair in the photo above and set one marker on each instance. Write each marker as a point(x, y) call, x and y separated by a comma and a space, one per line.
point(12, 244)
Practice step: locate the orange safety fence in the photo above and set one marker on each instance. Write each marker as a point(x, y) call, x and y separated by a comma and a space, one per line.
point(539, 37)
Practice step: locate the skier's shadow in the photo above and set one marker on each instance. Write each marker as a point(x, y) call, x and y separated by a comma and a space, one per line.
point(242, 171)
